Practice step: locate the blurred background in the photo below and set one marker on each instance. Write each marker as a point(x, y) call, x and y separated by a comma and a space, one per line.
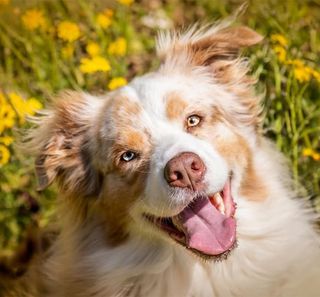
point(99, 45)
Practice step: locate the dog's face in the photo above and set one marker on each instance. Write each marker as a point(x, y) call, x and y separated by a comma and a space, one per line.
point(170, 153)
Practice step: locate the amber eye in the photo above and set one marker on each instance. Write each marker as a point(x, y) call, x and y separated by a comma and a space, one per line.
point(128, 156)
point(193, 120)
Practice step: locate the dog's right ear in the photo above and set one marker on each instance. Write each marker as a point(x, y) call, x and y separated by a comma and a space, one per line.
point(61, 143)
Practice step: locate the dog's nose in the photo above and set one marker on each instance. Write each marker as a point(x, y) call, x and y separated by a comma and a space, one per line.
point(185, 170)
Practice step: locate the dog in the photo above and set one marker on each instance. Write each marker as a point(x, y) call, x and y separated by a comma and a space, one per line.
point(167, 187)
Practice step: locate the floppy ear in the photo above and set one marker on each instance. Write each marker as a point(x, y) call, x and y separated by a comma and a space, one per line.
point(61, 143)
point(224, 44)
point(206, 45)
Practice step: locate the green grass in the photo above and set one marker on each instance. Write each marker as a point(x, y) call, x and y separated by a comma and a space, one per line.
point(33, 64)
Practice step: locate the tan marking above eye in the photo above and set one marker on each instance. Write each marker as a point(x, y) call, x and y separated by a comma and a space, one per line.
point(133, 139)
point(175, 106)
point(124, 104)
point(193, 121)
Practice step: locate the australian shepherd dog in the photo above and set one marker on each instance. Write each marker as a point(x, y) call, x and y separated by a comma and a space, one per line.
point(167, 187)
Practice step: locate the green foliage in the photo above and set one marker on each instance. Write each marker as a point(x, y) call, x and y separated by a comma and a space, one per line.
point(48, 46)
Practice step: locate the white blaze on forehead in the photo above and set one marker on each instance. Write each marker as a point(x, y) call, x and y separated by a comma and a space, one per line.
point(153, 89)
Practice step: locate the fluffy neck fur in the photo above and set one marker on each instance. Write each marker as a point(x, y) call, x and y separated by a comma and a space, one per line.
point(277, 254)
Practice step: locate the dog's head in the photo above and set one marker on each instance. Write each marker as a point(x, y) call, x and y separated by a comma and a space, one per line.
point(170, 153)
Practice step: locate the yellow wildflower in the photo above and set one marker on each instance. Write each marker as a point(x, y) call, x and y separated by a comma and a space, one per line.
point(278, 38)
point(125, 2)
point(4, 155)
point(68, 31)
point(118, 47)
point(32, 105)
point(94, 64)
point(104, 19)
point(280, 52)
point(7, 117)
point(296, 62)
point(6, 140)
point(67, 51)
point(33, 19)
point(4, 2)
point(93, 49)
point(19, 105)
point(24, 107)
point(302, 74)
point(309, 152)
point(316, 74)
point(117, 82)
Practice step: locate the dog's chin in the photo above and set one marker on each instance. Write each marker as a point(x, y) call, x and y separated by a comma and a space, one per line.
point(206, 226)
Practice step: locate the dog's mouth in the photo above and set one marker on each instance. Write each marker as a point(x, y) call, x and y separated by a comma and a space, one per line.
point(206, 226)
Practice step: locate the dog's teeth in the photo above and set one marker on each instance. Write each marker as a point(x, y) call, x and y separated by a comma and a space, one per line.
point(219, 203)
point(221, 208)
point(218, 198)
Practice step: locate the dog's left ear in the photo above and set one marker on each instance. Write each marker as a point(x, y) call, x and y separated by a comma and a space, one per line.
point(61, 143)
point(205, 46)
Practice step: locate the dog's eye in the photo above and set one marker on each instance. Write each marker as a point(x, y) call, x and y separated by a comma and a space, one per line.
point(128, 156)
point(193, 120)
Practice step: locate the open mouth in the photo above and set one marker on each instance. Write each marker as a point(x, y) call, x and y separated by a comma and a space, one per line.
point(206, 226)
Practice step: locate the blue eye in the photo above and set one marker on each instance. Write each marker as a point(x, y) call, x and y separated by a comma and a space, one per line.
point(128, 156)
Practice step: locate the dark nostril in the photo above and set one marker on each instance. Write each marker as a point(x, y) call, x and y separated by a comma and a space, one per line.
point(178, 175)
point(195, 166)
point(173, 176)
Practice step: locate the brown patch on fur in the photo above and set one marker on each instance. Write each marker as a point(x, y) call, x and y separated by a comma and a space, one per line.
point(134, 139)
point(235, 150)
point(252, 187)
point(175, 106)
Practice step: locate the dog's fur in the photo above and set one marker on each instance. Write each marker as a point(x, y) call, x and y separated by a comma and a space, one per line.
point(106, 247)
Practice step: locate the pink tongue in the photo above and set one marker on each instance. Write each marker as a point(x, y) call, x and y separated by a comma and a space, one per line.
point(206, 229)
